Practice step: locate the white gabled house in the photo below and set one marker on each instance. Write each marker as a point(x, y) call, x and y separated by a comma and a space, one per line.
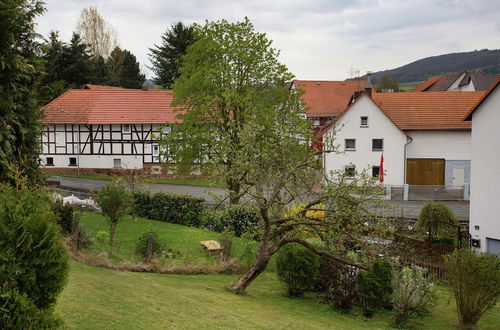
point(484, 224)
point(422, 136)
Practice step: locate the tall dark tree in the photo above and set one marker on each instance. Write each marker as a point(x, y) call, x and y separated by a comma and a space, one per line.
point(20, 126)
point(165, 58)
point(52, 83)
point(115, 65)
point(131, 76)
point(102, 74)
point(78, 68)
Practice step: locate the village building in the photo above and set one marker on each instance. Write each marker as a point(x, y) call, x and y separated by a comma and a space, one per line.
point(99, 129)
point(484, 224)
point(465, 81)
point(422, 137)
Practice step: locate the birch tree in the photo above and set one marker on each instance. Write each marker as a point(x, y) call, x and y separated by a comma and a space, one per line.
point(96, 32)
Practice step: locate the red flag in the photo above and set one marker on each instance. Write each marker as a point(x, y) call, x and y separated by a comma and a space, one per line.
point(381, 170)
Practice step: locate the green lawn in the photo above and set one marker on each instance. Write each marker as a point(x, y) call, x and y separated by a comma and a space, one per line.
point(187, 181)
point(97, 298)
point(185, 240)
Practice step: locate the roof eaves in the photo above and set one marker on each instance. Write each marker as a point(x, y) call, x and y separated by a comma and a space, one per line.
point(468, 116)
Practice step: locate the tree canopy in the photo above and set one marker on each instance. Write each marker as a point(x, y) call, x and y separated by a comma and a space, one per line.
point(96, 32)
point(165, 58)
point(20, 126)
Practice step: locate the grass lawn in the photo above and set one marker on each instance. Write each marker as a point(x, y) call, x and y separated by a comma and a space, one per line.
point(408, 86)
point(188, 181)
point(185, 240)
point(97, 298)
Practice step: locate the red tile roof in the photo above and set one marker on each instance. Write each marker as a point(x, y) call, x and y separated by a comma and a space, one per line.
point(426, 84)
point(468, 116)
point(111, 106)
point(428, 111)
point(327, 98)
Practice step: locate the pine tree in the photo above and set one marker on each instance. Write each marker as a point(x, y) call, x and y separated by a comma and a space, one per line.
point(165, 58)
point(131, 76)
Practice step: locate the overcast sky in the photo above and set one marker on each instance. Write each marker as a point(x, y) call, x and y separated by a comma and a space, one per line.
point(318, 39)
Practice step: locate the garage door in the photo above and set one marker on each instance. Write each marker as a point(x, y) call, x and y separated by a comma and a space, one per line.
point(493, 246)
point(425, 171)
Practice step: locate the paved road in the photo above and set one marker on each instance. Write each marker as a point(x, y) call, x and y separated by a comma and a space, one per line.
point(88, 185)
point(407, 209)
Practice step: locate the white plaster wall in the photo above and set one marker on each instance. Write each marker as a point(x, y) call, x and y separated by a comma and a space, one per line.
point(485, 171)
point(379, 127)
point(454, 85)
point(450, 145)
point(95, 161)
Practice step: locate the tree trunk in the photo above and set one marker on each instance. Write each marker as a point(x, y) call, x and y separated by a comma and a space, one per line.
point(258, 267)
point(234, 192)
point(112, 230)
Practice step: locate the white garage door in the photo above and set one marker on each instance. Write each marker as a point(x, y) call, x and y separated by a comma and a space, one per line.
point(493, 246)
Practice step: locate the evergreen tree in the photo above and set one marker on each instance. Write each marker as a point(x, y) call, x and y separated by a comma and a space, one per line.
point(102, 74)
point(78, 68)
point(115, 65)
point(131, 76)
point(20, 127)
point(165, 58)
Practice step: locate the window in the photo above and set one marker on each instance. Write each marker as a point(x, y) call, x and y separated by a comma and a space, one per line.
point(350, 171)
point(156, 170)
point(364, 121)
point(350, 144)
point(377, 144)
point(117, 163)
point(49, 161)
point(156, 150)
point(126, 128)
point(316, 123)
point(375, 171)
point(166, 129)
point(72, 161)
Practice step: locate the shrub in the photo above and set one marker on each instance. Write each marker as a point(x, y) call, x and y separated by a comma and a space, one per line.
point(412, 294)
point(298, 268)
point(475, 279)
point(157, 246)
point(34, 262)
point(338, 281)
point(374, 287)
point(64, 213)
point(174, 208)
point(238, 218)
point(434, 217)
point(114, 201)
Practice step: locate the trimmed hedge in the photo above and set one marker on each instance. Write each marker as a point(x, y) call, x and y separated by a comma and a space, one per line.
point(174, 208)
point(238, 219)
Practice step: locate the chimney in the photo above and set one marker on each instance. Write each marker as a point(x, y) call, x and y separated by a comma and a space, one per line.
point(368, 88)
point(145, 87)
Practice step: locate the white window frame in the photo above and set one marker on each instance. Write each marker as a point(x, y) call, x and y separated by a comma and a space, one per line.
point(361, 121)
point(166, 129)
point(349, 149)
point(129, 130)
point(156, 150)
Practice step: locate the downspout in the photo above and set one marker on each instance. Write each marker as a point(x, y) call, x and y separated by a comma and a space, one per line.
point(409, 140)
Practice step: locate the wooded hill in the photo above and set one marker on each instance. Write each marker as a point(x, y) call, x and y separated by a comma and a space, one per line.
point(485, 60)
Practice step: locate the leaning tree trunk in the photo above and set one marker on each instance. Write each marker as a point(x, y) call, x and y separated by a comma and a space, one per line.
point(258, 267)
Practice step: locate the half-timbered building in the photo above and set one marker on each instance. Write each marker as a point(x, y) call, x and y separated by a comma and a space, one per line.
point(99, 129)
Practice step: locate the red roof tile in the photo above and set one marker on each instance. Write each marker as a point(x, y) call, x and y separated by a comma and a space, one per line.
point(428, 111)
point(468, 115)
point(327, 98)
point(426, 84)
point(111, 106)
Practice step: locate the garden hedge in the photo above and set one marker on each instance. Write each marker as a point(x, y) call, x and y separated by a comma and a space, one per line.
point(174, 208)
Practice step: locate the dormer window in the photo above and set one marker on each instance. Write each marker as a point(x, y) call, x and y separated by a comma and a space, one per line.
point(126, 128)
point(364, 121)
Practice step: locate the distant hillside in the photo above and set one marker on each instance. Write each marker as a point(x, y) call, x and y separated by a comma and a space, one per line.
point(485, 60)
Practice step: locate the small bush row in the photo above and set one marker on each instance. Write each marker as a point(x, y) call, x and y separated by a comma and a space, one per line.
point(238, 219)
point(174, 208)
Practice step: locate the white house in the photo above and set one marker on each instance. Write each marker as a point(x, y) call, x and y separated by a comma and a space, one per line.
point(100, 128)
point(485, 177)
point(422, 136)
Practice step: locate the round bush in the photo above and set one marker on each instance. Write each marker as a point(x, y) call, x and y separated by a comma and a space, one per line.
point(435, 218)
point(374, 287)
point(34, 262)
point(141, 247)
point(238, 219)
point(298, 268)
point(64, 213)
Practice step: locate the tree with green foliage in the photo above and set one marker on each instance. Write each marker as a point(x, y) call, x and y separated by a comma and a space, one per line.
point(388, 84)
point(131, 76)
point(20, 126)
point(77, 65)
point(115, 65)
point(34, 262)
point(166, 57)
point(438, 220)
point(475, 280)
point(375, 286)
point(298, 268)
point(114, 201)
point(244, 127)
